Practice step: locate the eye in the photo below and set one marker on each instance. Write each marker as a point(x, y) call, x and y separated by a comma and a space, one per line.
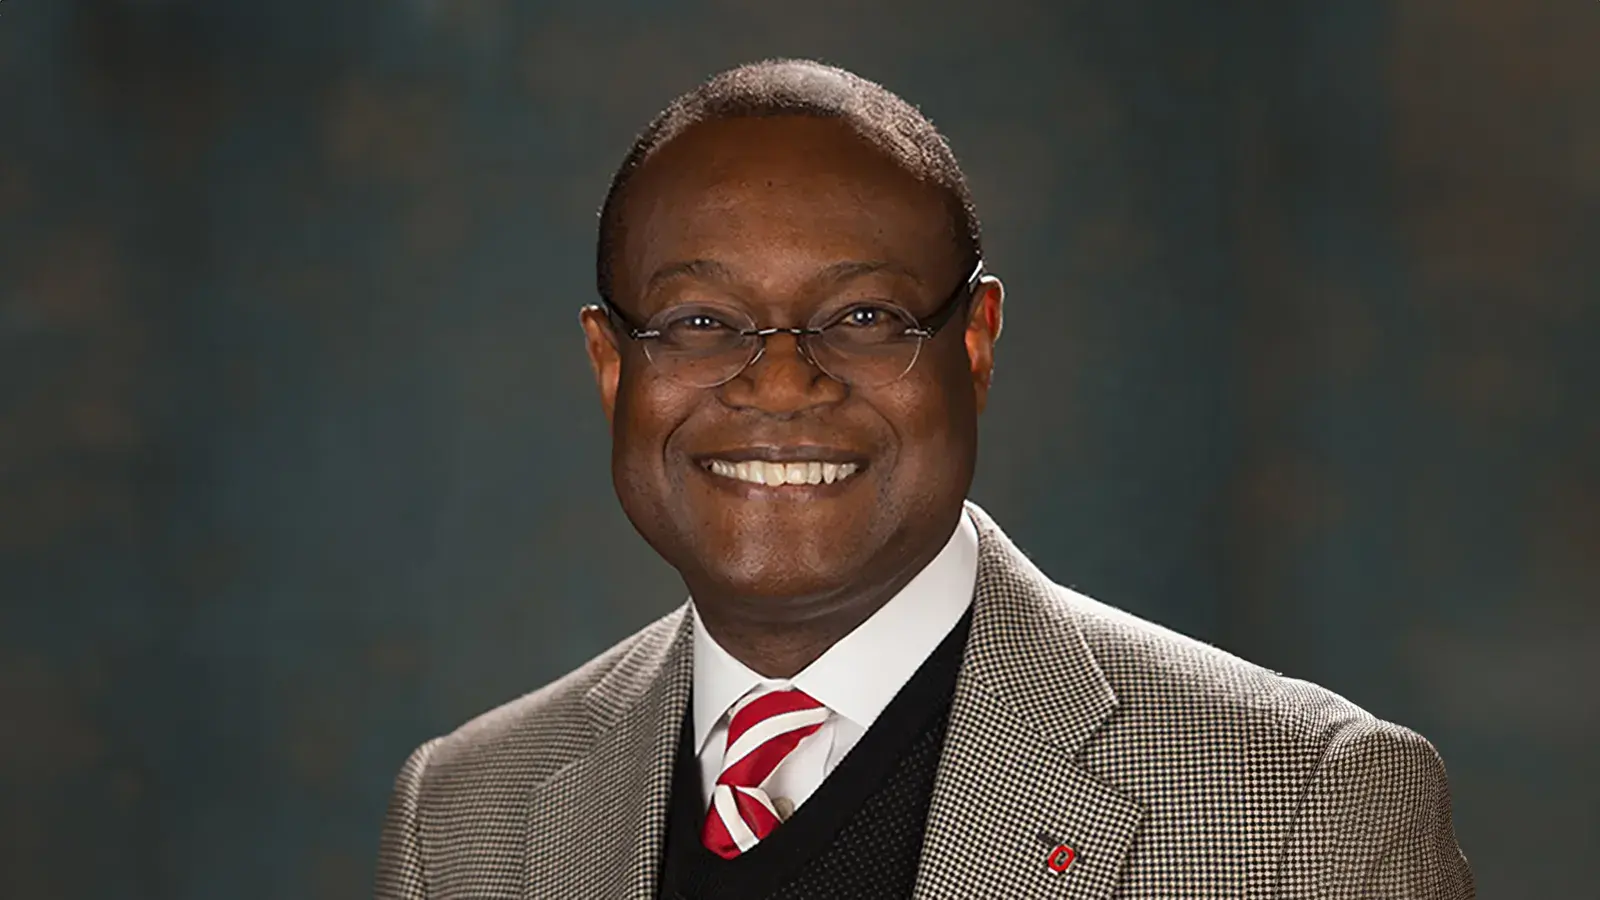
point(694, 320)
point(698, 322)
point(866, 325)
point(863, 317)
point(869, 317)
point(700, 328)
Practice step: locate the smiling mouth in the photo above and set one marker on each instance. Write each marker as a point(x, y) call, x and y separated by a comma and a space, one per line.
point(802, 472)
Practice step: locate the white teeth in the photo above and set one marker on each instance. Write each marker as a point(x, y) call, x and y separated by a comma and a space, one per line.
point(811, 472)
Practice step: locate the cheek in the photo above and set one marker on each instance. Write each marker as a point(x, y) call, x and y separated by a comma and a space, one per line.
point(939, 404)
point(648, 415)
point(928, 439)
point(936, 420)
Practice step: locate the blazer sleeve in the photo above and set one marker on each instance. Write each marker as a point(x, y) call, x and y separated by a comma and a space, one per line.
point(400, 865)
point(1375, 822)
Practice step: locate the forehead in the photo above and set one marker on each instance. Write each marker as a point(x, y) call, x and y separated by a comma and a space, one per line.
point(775, 197)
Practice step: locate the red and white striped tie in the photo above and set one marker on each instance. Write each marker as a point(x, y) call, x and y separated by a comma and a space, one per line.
point(762, 733)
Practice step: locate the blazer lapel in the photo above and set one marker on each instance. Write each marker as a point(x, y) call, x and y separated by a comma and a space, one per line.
point(596, 828)
point(1009, 791)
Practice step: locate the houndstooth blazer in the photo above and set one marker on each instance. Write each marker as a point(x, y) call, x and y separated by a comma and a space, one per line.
point(1170, 768)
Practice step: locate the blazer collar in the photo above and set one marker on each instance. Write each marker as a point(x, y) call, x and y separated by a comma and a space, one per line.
point(597, 827)
point(1009, 789)
point(1027, 651)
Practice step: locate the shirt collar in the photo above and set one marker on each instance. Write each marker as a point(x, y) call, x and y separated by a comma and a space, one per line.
point(858, 676)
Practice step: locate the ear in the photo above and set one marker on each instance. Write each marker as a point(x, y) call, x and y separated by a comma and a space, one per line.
point(604, 356)
point(983, 329)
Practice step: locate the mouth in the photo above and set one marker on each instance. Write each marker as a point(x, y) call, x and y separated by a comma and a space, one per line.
point(795, 467)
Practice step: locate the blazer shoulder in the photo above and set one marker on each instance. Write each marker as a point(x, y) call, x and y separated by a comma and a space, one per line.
point(544, 729)
point(1158, 672)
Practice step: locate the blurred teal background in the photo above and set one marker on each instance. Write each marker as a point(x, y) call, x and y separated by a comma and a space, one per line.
point(300, 462)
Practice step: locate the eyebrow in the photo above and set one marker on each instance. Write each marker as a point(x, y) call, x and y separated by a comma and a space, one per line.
point(708, 269)
point(711, 270)
point(844, 271)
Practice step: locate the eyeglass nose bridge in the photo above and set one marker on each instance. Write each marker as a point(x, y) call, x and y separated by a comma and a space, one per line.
point(800, 342)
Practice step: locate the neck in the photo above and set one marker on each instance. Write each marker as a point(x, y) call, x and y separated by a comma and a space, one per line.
point(781, 648)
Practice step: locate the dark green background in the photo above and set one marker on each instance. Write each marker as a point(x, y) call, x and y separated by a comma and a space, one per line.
point(300, 462)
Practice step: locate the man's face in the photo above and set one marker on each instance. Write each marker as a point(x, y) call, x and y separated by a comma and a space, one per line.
point(780, 217)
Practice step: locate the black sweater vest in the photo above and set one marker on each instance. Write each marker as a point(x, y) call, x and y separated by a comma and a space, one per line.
point(858, 836)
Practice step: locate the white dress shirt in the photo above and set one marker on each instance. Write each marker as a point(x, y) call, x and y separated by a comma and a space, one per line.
point(856, 678)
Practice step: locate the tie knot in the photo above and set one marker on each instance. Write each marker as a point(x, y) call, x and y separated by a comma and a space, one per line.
point(763, 731)
point(762, 707)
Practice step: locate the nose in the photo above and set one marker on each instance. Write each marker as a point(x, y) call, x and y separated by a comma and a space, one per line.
point(783, 380)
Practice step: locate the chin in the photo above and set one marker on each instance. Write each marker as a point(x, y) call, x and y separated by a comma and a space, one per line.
point(771, 577)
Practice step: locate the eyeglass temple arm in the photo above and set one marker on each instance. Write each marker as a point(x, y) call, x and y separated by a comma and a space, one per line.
point(629, 327)
point(931, 325)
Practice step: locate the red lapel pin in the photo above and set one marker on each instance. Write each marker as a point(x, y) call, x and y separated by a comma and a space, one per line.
point(1061, 858)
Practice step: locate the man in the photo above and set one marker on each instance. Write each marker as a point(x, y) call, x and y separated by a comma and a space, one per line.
point(872, 692)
